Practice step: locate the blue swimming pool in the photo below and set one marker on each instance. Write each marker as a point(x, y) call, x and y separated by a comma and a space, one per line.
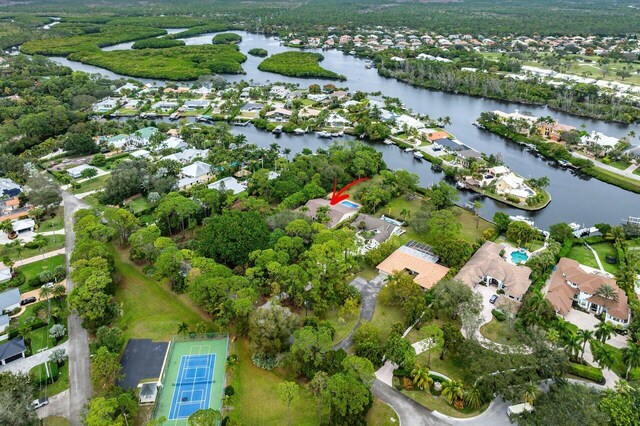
point(350, 204)
point(519, 257)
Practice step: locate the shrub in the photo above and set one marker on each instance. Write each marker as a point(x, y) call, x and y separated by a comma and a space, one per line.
point(18, 279)
point(34, 282)
point(407, 384)
point(264, 362)
point(229, 391)
point(499, 315)
point(586, 372)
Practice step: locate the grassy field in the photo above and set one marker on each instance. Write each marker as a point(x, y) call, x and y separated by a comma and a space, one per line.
point(585, 256)
point(40, 339)
point(381, 414)
point(151, 310)
point(384, 317)
point(502, 332)
point(54, 242)
point(53, 224)
point(139, 204)
point(59, 385)
point(342, 327)
point(256, 400)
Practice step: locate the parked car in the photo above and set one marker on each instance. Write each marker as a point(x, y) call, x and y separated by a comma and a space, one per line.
point(493, 299)
point(28, 300)
point(39, 403)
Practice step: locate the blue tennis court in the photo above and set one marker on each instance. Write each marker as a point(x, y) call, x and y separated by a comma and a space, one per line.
point(193, 386)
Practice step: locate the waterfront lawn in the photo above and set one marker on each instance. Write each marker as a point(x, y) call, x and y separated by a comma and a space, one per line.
point(381, 414)
point(583, 255)
point(604, 249)
point(298, 64)
point(53, 242)
point(150, 310)
point(256, 399)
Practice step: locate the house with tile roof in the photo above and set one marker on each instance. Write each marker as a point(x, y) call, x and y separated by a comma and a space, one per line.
point(575, 286)
point(418, 260)
point(489, 268)
point(335, 213)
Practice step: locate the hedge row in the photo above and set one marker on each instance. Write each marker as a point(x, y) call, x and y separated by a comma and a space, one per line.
point(586, 372)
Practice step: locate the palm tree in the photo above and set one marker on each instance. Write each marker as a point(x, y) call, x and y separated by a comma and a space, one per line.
point(232, 362)
point(473, 397)
point(603, 331)
point(58, 292)
point(452, 391)
point(602, 354)
point(572, 345)
point(45, 294)
point(183, 327)
point(477, 205)
point(530, 393)
point(631, 357)
point(608, 292)
point(585, 336)
point(616, 234)
point(421, 377)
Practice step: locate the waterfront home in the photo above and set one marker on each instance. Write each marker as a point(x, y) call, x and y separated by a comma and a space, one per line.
point(599, 139)
point(418, 260)
point(487, 267)
point(164, 105)
point(321, 210)
point(129, 87)
point(335, 120)
point(449, 145)
point(228, 184)
point(279, 115)
point(9, 300)
point(198, 170)
point(23, 225)
point(251, 106)
point(141, 137)
point(468, 156)
point(196, 104)
point(373, 231)
point(105, 105)
point(553, 130)
point(278, 92)
point(409, 121)
point(434, 135)
point(172, 143)
point(12, 350)
point(307, 112)
point(187, 156)
point(514, 185)
point(76, 172)
point(575, 286)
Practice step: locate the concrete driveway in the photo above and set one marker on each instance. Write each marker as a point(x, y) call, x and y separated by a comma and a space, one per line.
point(486, 292)
point(587, 321)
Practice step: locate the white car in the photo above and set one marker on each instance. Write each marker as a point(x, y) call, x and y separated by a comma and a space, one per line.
point(39, 403)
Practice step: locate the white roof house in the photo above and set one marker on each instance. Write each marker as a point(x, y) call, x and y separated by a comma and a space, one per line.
point(141, 153)
point(411, 122)
point(597, 138)
point(173, 143)
point(195, 104)
point(76, 172)
point(10, 299)
point(23, 225)
point(196, 170)
point(228, 184)
point(5, 275)
point(105, 105)
point(499, 170)
point(187, 156)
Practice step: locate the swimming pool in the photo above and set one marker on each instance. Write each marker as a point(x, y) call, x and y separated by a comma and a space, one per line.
point(519, 257)
point(350, 204)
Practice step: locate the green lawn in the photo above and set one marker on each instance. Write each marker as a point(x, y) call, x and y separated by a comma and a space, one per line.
point(618, 366)
point(94, 184)
point(583, 255)
point(150, 310)
point(40, 339)
point(343, 327)
point(55, 421)
point(385, 316)
point(439, 404)
point(59, 385)
point(603, 249)
point(502, 332)
point(54, 242)
point(381, 414)
point(53, 224)
point(31, 270)
point(139, 204)
point(256, 399)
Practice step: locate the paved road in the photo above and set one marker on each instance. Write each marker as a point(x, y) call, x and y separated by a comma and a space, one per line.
point(628, 172)
point(79, 358)
point(25, 364)
point(369, 291)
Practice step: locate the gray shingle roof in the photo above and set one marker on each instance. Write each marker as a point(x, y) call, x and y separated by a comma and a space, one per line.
point(12, 348)
point(9, 298)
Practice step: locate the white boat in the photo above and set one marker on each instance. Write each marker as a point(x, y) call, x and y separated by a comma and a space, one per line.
point(575, 226)
point(277, 130)
point(520, 218)
point(418, 155)
point(408, 150)
point(324, 134)
point(298, 131)
point(387, 142)
point(368, 64)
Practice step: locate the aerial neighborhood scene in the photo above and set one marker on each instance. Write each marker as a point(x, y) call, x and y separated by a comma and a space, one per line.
point(375, 212)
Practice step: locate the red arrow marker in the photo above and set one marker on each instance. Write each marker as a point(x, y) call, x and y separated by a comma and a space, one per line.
point(336, 197)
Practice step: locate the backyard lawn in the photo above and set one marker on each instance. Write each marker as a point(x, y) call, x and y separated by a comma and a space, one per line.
point(502, 332)
point(585, 256)
point(384, 317)
point(53, 224)
point(150, 310)
point(31, 270)
point(138, 205)
point(343, 327)
point(256, 399)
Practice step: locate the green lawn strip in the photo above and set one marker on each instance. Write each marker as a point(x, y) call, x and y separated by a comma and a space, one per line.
point(439, 404)
point(603, 249)
point(343, 327)
point(385, 316)
point(502, 332)
point(150, 310)
point(256, 399)
point(54, 242)
point(93, 184)
point(40, 339)
point(298, 64)
point(381, 414)
point(618, 366)
point(55, 421)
